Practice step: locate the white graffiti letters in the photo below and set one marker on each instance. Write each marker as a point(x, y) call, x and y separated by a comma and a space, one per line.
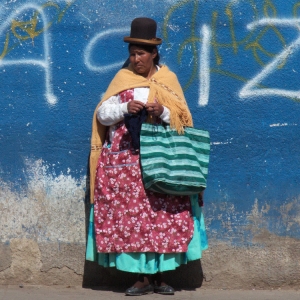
point(204, 72)
point(45, 61)
point(250, 89)
point(91, 45)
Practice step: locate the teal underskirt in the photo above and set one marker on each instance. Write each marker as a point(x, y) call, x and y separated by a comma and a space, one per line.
point(150, 262)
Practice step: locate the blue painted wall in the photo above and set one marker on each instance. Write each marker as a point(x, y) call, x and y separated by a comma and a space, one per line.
point(238, 62)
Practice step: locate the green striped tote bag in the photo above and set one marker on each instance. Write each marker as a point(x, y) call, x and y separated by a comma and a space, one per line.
point(172, 163)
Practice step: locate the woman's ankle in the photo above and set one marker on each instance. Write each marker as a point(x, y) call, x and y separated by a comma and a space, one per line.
point(157, 279)
point(143, 280)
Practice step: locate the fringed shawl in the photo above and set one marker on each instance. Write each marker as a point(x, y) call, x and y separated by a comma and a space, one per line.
point(164, 88)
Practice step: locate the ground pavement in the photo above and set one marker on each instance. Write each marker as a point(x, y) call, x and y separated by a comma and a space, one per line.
point(24, 292)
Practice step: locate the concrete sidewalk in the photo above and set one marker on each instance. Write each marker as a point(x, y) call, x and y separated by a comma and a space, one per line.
point(75, 292)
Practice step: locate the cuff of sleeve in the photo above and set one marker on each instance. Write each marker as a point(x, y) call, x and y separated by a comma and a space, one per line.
point(124, 108)
point(165, 116)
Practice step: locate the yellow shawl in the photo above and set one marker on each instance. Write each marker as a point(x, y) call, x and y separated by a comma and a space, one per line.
point(164, 87)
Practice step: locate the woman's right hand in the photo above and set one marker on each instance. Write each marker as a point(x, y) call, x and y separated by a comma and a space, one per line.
point(135, 106)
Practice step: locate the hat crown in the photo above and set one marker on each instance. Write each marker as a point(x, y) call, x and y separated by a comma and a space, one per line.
point(143, 28)
point(143, 32)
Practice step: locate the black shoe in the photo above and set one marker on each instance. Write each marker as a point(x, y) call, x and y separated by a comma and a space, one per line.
point(164, 290)
point(134, 291)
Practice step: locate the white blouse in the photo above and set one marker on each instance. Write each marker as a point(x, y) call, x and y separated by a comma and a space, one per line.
point(112, 110)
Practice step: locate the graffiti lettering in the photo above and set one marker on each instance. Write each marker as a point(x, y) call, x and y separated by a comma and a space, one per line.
point(204, 66)
point(91, 45)
point(24, 30)
point(209, 41)
point(192, 40)
point(250, 89)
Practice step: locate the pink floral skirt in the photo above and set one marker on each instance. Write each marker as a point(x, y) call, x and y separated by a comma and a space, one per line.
point(128, 218)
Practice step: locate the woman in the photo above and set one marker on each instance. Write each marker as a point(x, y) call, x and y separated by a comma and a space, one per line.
point(133, 229)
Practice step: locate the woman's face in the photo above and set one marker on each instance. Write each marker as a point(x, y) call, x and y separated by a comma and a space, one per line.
point(141, 60)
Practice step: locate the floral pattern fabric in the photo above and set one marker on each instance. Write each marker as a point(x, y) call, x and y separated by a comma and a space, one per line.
point(127, 217)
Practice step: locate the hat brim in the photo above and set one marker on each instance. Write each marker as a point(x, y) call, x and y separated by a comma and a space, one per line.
point(156, 41)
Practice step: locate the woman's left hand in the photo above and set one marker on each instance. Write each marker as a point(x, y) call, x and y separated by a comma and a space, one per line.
point(154, 109)
point(200, 198)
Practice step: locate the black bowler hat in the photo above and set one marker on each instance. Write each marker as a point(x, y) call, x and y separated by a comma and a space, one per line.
point(143, 31)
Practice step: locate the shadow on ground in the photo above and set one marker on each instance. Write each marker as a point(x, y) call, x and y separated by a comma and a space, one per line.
point(188, 276)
